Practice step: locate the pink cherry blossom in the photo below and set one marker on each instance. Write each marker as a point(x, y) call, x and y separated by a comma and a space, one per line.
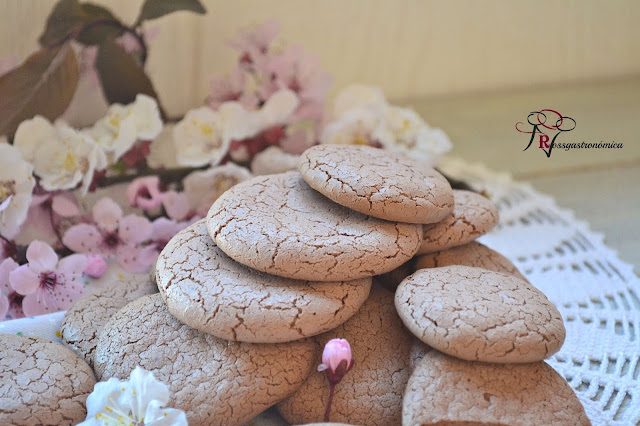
point(145, 192)
point(231, 88)
point(46, 284)
point(96, 266)
point(337, 359)
point(254, 44)
point(164, 229)
point(4, 306)
point(300, 72)
point(10, 300)
point(47, 210)
point(113, 236)
point(176, 204)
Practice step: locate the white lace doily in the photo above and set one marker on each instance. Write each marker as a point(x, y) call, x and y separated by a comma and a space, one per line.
point(597, 294)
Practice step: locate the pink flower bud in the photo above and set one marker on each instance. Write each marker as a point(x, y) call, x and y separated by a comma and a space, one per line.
point(145, 193)
point(96, 266)
point(336, 360)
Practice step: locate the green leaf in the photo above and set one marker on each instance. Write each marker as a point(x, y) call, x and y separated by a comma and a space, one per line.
point(152, 9)
point(65, 18)
point(44, 84)
point(121, 75)
point(69, 16)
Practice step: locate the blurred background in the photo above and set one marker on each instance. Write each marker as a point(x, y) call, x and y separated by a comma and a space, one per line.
point(472, 68)
point(410, 48)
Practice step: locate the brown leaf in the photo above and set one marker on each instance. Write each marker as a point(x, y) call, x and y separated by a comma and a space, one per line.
point(43, 85)
point(121, 75)
point(68, 17)
point(152, 9)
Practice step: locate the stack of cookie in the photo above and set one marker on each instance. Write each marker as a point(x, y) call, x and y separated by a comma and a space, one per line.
point(283, 263)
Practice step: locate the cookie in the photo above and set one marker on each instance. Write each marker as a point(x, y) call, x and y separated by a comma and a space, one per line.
point(377, 183)
point(473, 216)
point(371, 393)
point(444, 390)
point(471, 254)
point(209, 291)
point(41, 382)
point(480, 315)
point(279, 225)
point(84, 320)
point(216, 382)
point(391, 280)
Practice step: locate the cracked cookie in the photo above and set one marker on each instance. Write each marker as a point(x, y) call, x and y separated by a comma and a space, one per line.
point(445, 390)
point(41, 382)
point(471, 254)
point(377, 183)
point(83, 322)
point(480, 315)
point(216, 382)
point(371, 393)
point(279, 225)
point(473, 216)
point(211, 292)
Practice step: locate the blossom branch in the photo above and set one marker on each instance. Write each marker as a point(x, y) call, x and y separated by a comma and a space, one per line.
point(166, 176)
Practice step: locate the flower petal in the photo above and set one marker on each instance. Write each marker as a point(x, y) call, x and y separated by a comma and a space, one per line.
point(176, 204)
point(6, 267)
point(135, 259)
point(83, 238)
point(66, 291)
point(65, 205)
point(107, 213)
point(158, 416)
point(35, 304)
point(41, 257)
point(101, 397)
point(134, 229)
point(24, 280)
point(4, 306)
point(73, 266)
point(147, 389)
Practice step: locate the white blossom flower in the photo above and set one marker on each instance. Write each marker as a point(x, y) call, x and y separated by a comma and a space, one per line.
point(200, 138)
point(125, 124)
point(273, 160)
point(116, 132)
point(204, 136)
point(353, 127)
point(16, 185)
point(363, 116)
point(33, 134)
point(137, 401)
point(61, 156)
point(277, 109)
point(358, 96)
point(403, 131)
point(146, 115)
point(204, 187)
